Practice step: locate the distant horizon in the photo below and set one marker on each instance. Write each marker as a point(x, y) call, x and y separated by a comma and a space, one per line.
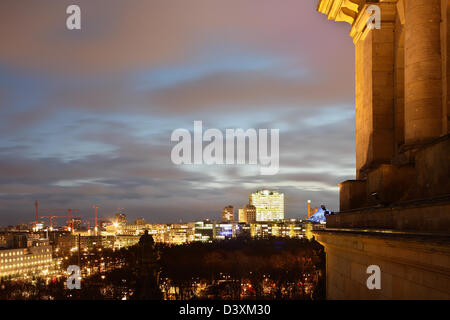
point(134, 217)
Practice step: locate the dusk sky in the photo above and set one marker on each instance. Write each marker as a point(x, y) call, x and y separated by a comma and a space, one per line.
point(86, 116)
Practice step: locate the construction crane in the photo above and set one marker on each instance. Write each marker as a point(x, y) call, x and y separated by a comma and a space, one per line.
point(69, 215)
point(51, 217)
point(70, 223)
point(50, 211)
point(90, 222)
point(96, 218)
point(36, 205)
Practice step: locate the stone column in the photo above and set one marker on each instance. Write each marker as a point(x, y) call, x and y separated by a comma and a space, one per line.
point(423, 71)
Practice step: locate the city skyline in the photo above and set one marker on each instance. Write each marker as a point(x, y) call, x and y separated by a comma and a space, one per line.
point(86, 117)
point(58, 217)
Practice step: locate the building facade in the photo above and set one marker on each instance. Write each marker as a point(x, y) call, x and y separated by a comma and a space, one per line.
point(269, 205)
point(228, 214)
point(282, 229)
point(34, 260)
point(247, 214)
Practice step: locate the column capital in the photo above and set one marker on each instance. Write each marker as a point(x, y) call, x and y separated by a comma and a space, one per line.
point(356, 14)
point(340, 10)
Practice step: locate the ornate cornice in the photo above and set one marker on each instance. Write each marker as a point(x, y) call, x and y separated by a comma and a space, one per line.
point(355, 13)
point(340, 10)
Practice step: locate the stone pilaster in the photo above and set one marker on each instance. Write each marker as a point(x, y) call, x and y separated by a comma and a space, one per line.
point(375, 135)
point(375, 78)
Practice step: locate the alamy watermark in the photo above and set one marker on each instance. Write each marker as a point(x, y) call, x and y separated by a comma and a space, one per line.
point(256, 150)
point(74, 279)
point(374, 280)
point(374, 21)
point(73, 21)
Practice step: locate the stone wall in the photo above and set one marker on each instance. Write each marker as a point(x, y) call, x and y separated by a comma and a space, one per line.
point(410, 267)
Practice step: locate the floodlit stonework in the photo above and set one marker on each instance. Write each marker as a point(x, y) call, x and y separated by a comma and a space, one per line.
point(396, 214)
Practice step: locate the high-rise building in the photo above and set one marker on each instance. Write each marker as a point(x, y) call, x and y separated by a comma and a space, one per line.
point(250, 213)
point(269, 205)
point(242, 217)
point(228, 214)
point(247, 214)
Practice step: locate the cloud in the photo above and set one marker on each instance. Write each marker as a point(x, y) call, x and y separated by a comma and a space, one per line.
point(86, 117)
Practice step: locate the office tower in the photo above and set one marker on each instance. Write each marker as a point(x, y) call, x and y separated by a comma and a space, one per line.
point(247, 214)
point(228, 214)
point(250, 213)
point(242, 216)
point(269, 205)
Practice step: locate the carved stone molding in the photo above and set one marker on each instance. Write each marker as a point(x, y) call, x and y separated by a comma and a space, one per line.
point(340, 10)
point(355, 13)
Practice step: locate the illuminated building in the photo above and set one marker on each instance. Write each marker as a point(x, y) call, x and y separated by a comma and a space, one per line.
point(34, 260)
point(241, 216)
point(269, 205)
point(121, 219)
point(140, 222)
point(289, 229)
point(39, 226)
point(242, 230)
point(179, 234)
point(284, 229)
point(161, 233)
point(228, 214)
point(124, 241)
point(129, 229)
point(260, 230)
point(157, 231)
point(223, 231)
point(204, 231)
point(250, 213)
point(247, 214)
